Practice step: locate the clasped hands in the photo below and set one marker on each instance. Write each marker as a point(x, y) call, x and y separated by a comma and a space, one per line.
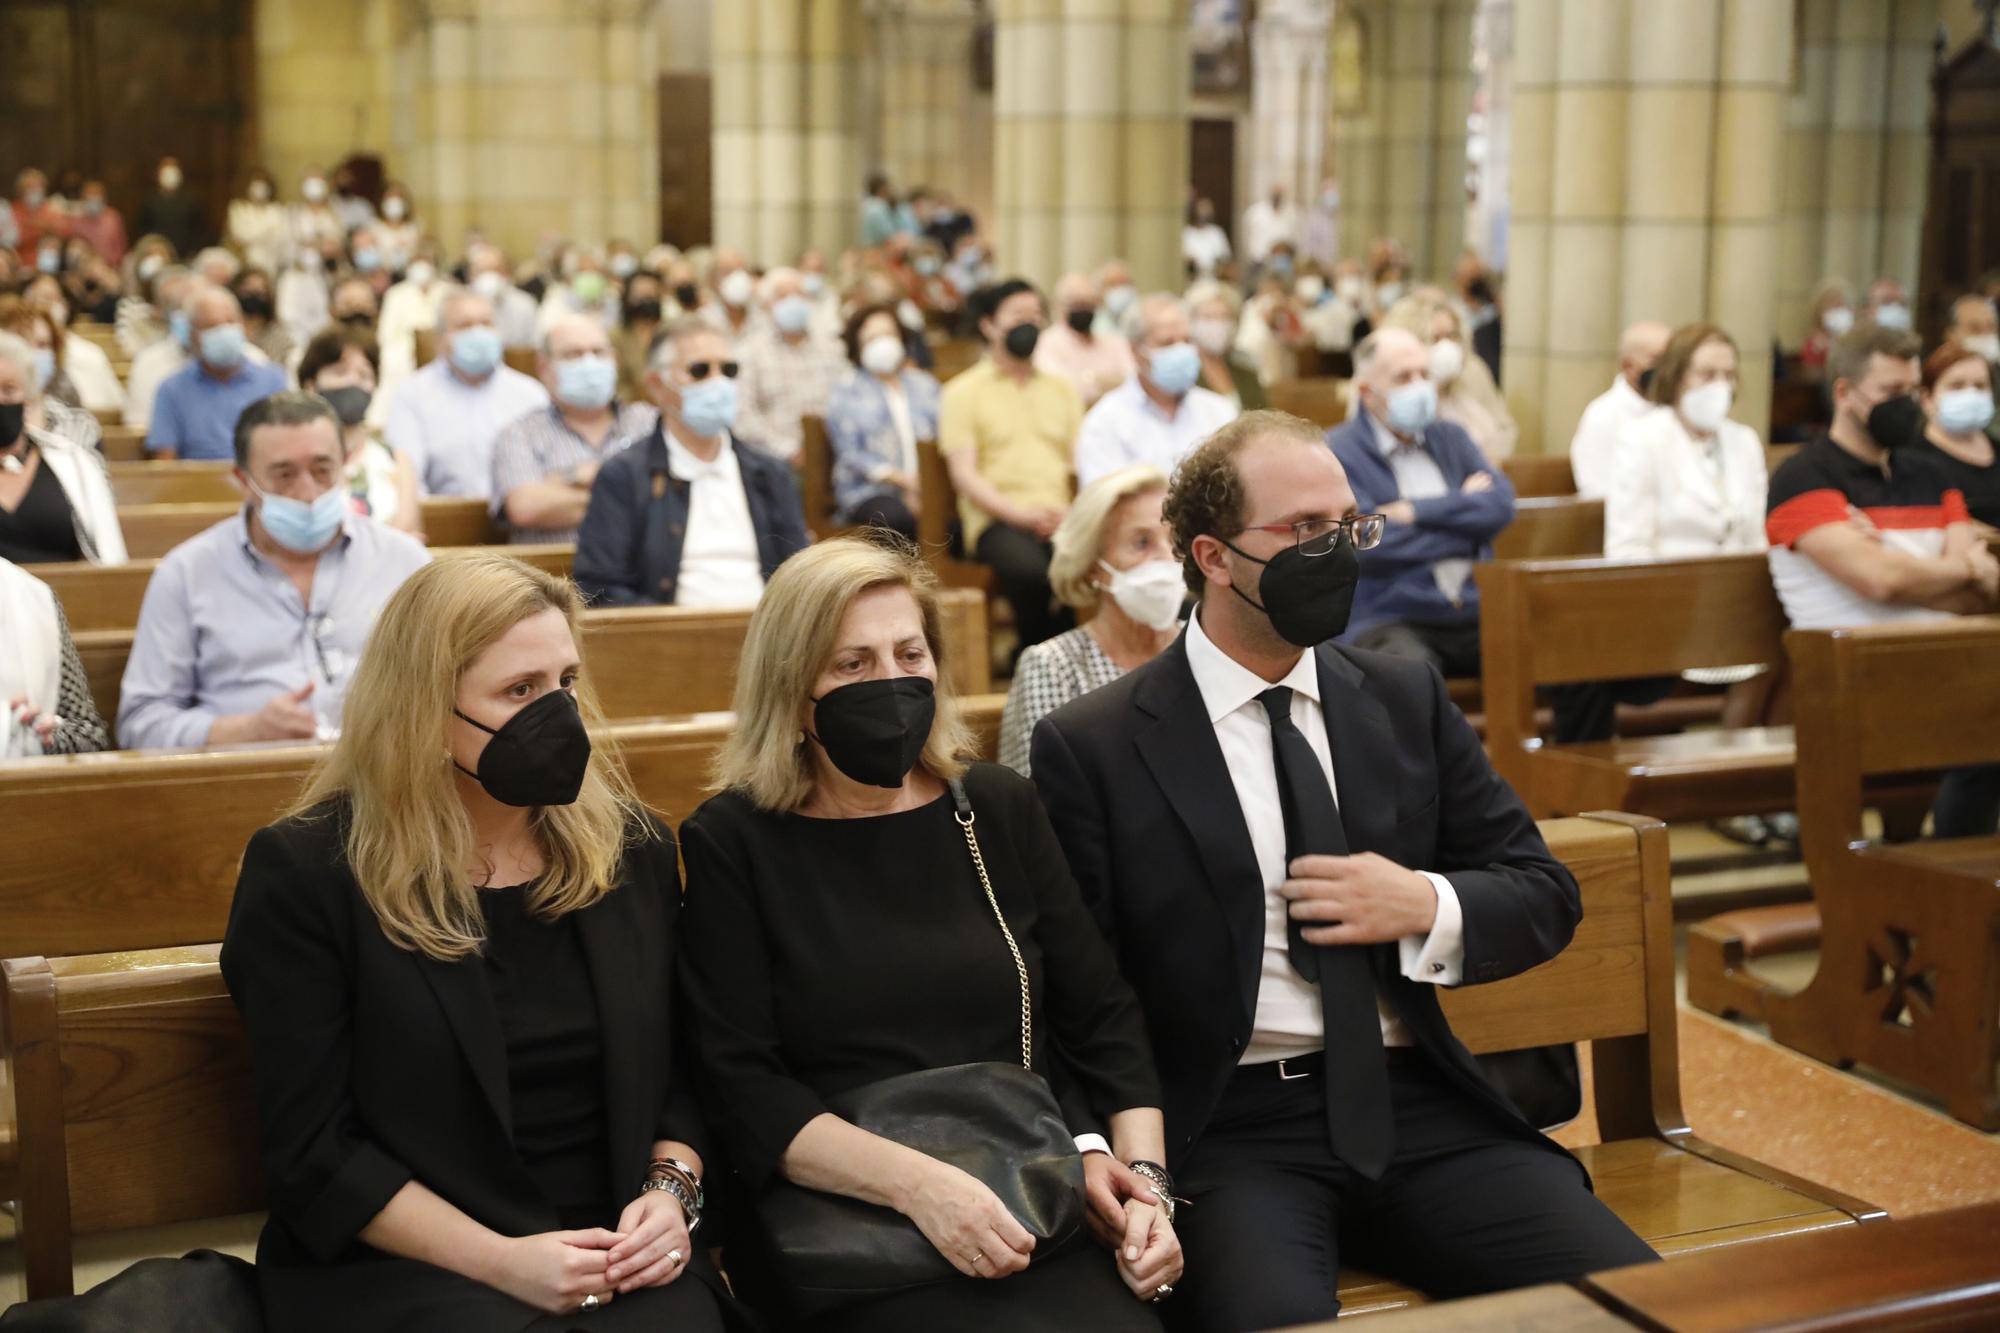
point(1361, 899)
point(1124, 1214)
point(557, 1270)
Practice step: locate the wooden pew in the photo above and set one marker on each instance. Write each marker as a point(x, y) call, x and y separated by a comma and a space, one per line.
point(646, 661)
point(954, 356)
point(1536, 476)
point(816, 479)
point(1909, 966)
point(124, 444)
point(98, 597)
point(148, 483)
point(937, 515)
point(1324, 402)
point(135, 1107)
point(155, 529)
point(1550, 527)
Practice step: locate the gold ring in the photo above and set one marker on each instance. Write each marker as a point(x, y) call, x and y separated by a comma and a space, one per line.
point(590, 1302)
point(978, 1256)
point(674, 1257)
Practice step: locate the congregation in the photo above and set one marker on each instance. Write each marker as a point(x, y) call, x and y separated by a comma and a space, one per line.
point(1206, 590)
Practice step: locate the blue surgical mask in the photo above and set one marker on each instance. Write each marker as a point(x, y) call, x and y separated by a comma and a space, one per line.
point(367, 259)
point(475, 351)
point(927, 265)
point(45, 368)
point(708, 407)
point(1893, 315)
point(222, 346)
point(297, 525)
point(792, 314)
point(1413, 407)
point(181, 329)
point(812, 284)
point(49, 261)
point(1174, 368)
point(1961, 412)
point(586, 381)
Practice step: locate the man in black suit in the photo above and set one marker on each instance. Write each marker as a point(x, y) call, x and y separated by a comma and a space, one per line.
point(1291, 848)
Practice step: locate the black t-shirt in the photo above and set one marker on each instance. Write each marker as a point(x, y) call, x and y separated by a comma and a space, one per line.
point(1979, 485)
point(41, 528)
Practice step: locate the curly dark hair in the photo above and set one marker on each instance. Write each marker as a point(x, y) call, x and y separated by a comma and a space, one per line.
point(330, 344)
point(851, 335)
point(1206, 495)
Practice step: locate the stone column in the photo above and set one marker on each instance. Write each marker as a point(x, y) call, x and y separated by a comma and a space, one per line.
point(1802, 265)
point(1646, 184)
point(1488, 228)
point(1090, 140)
point(924, 49)
point(1289, 74)
point(787, 159)
point(317, 80)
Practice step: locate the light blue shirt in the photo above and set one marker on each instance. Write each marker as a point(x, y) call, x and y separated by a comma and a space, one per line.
point(223, 631)
point(194, 413)
point(448, 426)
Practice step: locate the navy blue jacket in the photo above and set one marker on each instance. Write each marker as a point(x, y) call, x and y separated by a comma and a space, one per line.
point(1397, 585)
point(628, 551)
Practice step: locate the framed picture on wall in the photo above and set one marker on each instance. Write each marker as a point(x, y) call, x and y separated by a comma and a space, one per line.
point(1219, 38)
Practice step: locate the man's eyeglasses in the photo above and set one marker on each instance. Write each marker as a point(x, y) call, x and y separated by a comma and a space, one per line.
point(1318, 536)
point(701, 370)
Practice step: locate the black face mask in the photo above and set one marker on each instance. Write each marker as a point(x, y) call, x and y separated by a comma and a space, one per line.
point(13, 416)
point(358, 319)
point(255, 306)
point(1021, 340)
point(349, 402)
point(1897, 423)
point(686, 295)
point(874, 730)
point(643, 311)
point(537, 757)
point(1081, 320)
point(1308, 599)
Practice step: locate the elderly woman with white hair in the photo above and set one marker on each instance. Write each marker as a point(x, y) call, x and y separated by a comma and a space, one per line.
point(55, 495)
point(1467, 395)
point(1112, 552)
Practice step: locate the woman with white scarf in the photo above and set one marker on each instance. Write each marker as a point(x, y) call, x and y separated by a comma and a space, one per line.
point(55, 495)
point(47, 694)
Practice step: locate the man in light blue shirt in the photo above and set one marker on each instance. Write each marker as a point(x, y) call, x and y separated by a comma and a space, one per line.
point(251, 630)
point(195, 411)
point(447, 415)
point(1162, 412)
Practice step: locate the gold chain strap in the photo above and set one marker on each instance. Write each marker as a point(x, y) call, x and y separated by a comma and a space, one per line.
point(1020, 968)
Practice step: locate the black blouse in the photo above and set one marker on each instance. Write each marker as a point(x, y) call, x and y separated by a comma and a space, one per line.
point(825, 954)
point(41, 528)
point(1980, 485)
point(542, 992)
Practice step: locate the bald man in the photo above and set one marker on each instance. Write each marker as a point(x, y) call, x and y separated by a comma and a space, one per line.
point(194, 415)
point(1593, 451)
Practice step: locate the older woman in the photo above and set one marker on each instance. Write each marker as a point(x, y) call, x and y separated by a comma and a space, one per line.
point(57, 411)
point(1832, 317)
point(1112, 552)
point(340, 364)
point(43, 685)
point(874, 419)
point(1958, 395)
point(55, 496)
point(1467, 395)
point(1214, 312)
point(83, 361)
point(455, 963)
point(842, 900)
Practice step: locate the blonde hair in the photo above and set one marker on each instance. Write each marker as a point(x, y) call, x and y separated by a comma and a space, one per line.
point(790, 640)
point(1079, 542)
point(409, 839)
point(1417, 314)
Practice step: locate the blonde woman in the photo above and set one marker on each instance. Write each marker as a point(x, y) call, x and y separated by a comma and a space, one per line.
point(1113, 553)
point(1467, 395)
point(455, 961)
point(840, 936)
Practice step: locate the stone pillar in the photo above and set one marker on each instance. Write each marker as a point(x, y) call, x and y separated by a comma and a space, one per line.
point(1289, 49)
point(317, 83)
point(1802, 221)
point(1090, 140)
point(924, 49)
point(1401, 160)
point(1488, 227)
point(1646, 185)
point(787, 159)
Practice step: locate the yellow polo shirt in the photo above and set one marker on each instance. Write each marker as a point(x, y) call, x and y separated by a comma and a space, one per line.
point(1022, 435)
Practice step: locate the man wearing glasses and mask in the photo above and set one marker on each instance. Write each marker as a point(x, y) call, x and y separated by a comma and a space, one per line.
point(1292, 844)
point(692, 516)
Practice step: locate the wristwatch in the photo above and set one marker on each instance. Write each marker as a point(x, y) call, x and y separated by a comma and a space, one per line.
point(1162, 1183)
point(679, 1180)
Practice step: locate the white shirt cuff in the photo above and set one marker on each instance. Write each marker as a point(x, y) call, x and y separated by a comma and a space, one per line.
point(1439, 957)
point(1092, 1143)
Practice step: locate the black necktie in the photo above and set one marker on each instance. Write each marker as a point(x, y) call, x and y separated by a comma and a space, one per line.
point(1358, 1112)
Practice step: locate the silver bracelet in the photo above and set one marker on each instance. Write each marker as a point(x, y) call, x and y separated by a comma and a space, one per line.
point(690, 1203)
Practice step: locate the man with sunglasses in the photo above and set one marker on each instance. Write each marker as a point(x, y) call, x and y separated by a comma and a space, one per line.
point(1292, 844)
point(1444, 504)
point(692, 516)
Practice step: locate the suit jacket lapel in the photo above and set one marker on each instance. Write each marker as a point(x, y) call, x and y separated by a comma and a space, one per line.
point(1181, 752)
point(468, 1005)
point(615, 938)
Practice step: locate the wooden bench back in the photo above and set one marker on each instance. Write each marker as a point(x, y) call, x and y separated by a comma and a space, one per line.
point(139, 851)
point(124, 444)
point(1551, 528)
point(1888, 699)
point(1536, 476)
point(173, 483)
point(955, 356)
point(135, 1103)
point(1324, 402)
point(816, 476)
point(155, 529)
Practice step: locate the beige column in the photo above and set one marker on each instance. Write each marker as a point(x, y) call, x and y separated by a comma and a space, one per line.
point(1646, 185)
point(1802, 265)
point(317, 80)
point(925, 52)
point(1090, 140)
point(1877, 155)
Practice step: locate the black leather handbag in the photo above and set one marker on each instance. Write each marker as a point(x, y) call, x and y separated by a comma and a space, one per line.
point(997, 1122)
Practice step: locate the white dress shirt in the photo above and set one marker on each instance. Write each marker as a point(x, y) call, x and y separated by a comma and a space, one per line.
point(1418, 477)
point(1127, 427)
point(1593, 451)
point(1288, 1021)
point(906, 431)
point(719, 564)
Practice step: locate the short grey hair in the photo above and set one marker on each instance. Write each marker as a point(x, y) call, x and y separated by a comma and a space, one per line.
point(15, 351)
point(664, 353)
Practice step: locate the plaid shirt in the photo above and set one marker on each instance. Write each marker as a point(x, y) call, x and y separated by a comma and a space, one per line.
point(542, 443)
point(784, 383)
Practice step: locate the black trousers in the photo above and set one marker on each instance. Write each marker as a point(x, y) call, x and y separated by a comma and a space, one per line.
point(1452, 649)
point(1589, 711)
point(1020, 560)
point(1968, 803)
point(1466, 1206)
point(883, 509)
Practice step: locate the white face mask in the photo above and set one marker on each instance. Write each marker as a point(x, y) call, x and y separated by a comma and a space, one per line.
point(882, 356)
point(1983, 344)
point(736, 289)
point(1151, 593)
point(260, 191)
point(1213, 335)
point(314, 190)
point(419, 274)
point(1892, 315)
point(1708, 407)
point(1447, 360)
point(1837, 320)
point(393, 208)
